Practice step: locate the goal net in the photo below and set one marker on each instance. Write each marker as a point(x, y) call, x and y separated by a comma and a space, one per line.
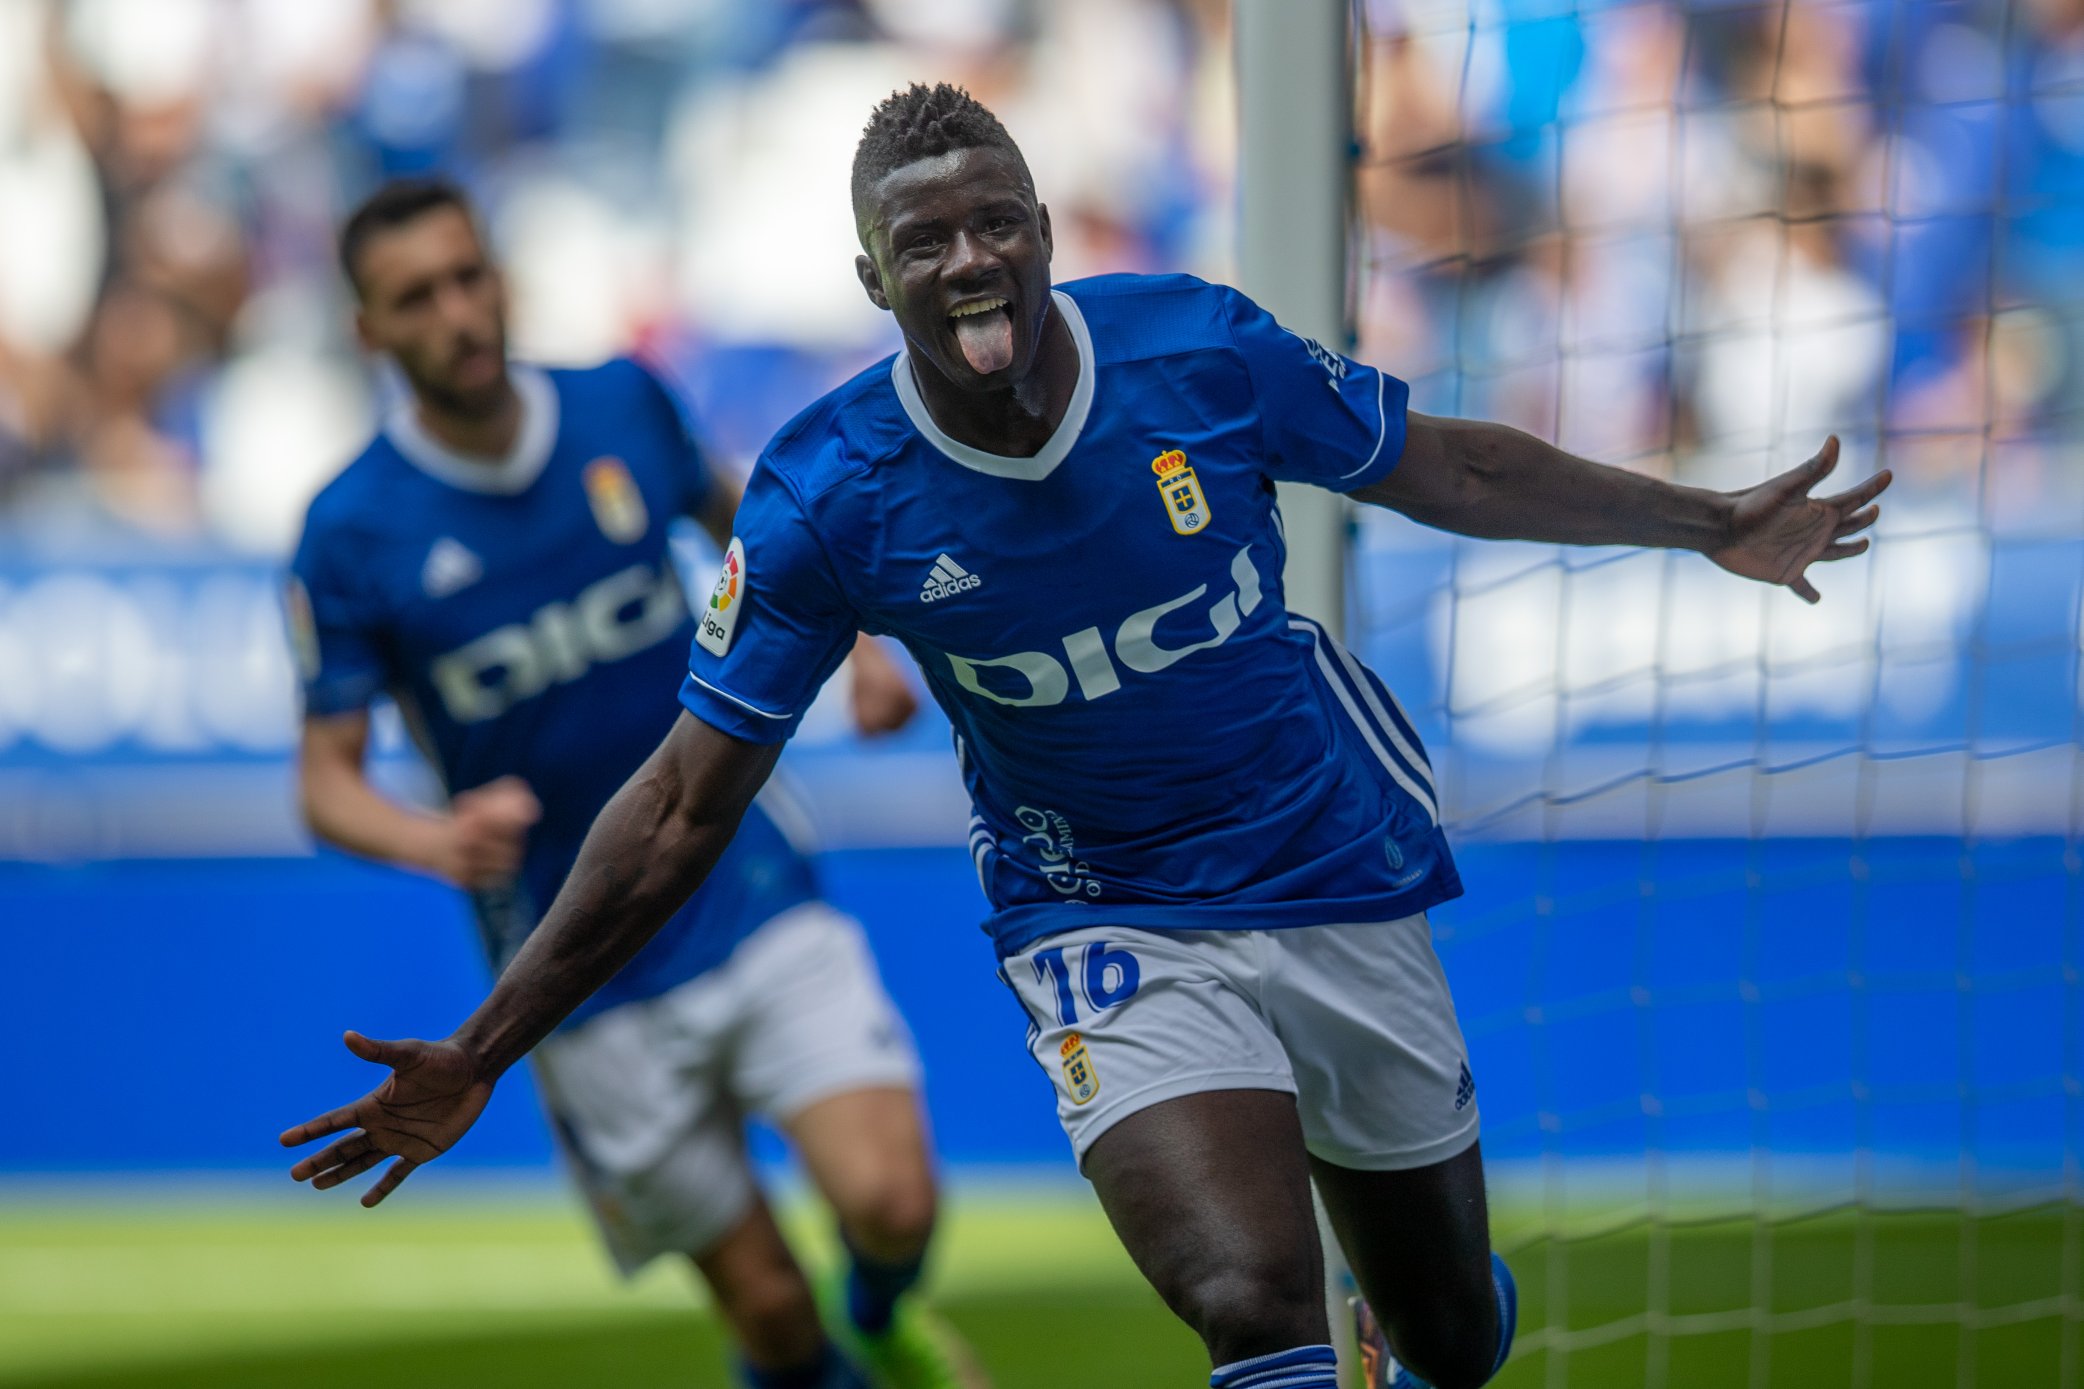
point(1769, 961)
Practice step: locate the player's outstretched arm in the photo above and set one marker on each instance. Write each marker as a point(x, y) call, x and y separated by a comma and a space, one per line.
point(1498, 483)
point(649, 849)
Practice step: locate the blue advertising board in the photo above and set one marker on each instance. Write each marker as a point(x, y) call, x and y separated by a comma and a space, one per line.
point(1743, 876)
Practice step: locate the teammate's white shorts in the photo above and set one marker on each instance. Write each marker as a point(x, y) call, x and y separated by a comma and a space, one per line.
point(649, 1098)
point(1355, 1021)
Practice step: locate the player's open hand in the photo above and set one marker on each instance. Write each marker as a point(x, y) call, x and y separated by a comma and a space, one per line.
point(1777, 530)
point(486, 833)
point(433, 1096)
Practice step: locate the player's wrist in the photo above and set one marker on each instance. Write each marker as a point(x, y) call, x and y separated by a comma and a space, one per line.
point(1714, 528)
point(480, 1045)
point(438, 849)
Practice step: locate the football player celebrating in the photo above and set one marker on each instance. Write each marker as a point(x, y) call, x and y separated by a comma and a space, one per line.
point(497, 561)
point(1208, 834)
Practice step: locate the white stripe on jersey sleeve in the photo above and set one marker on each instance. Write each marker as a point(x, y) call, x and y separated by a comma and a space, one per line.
point(1420, 764)
point(749, 708)
point(1381, 432)
point(1417, 792)
point(982, 845)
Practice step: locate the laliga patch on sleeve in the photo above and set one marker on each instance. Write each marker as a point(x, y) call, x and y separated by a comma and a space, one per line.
point(303, 628)
point(720, 618)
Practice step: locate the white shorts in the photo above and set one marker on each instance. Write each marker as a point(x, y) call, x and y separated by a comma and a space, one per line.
point(1355, 1021)
point(649, 1098)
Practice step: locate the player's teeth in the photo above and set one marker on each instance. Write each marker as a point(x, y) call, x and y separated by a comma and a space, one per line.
point(982, 306)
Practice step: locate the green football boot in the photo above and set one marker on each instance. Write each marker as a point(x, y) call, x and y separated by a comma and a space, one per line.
point(917, 1350)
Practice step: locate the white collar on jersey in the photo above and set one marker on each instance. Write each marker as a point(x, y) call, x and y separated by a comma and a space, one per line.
point(998, 465)
point(506, 477)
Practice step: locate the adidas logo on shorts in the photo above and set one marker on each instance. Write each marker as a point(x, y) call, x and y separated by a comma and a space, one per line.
point(946, 579)
point(1464, 1089)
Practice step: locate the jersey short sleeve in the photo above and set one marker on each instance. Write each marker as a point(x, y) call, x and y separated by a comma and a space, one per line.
point(690, 459)
point(1328, 420)
point(334, 630)
point(775, 626)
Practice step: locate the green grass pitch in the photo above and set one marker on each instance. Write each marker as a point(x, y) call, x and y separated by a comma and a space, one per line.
point(457, 1290)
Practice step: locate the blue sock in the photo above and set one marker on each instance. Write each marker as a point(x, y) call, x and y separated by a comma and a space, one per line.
point(1508, 1294)
point(873, 1289)
point(830, 1372)
point(1305, 1367)
point(1508, 1309)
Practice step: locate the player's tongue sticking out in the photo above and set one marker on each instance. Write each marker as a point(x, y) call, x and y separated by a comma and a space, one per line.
point(985, 332)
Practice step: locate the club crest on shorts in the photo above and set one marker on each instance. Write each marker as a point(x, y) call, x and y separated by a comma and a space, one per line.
point(1080, 1079)
point(618, 507)
point(720, 618)
point(1185, 507)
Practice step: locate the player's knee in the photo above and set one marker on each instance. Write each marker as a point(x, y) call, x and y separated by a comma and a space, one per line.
point(890, 1216)
point(774, 1315)
point(1249, 1308)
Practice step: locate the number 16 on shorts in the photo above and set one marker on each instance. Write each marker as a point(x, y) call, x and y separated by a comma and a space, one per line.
point(1097, 977)
point(1107, 977)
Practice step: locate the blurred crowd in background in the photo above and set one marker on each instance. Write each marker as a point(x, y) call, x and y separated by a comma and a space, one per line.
point(665, 176)
point(1687, 238)
point(1698, 237)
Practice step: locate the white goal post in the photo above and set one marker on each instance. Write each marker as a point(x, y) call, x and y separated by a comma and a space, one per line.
point(1295, 151)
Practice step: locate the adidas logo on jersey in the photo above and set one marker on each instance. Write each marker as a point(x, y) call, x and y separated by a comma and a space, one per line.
point(449, 568)
point(946, 579)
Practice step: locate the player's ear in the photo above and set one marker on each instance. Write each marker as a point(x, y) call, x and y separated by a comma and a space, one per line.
point(362, 333)
point(1048, 237)
point(871, 282)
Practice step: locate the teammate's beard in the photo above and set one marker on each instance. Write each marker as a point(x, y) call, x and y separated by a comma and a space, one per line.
point(470, 405)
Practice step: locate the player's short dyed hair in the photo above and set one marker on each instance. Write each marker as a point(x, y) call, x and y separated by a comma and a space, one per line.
point(398, 202)
point(923, 122)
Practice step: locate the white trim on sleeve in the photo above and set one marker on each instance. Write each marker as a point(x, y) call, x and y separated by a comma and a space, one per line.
point(726, 694)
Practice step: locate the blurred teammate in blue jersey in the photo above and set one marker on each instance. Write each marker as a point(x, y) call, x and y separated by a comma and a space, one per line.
point(1209, 835)
point(497, 562)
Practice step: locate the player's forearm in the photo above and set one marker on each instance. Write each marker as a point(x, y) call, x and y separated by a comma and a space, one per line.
point(344, 810)
point(647, 853)
point(1498, 483)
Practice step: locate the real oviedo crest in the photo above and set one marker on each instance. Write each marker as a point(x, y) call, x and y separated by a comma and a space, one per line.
point(618, 507)
point(1080, 1080)
point(1185, 507)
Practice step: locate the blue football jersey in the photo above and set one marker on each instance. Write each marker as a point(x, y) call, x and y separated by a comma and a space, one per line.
point(526, 617)
point(1149, 737)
